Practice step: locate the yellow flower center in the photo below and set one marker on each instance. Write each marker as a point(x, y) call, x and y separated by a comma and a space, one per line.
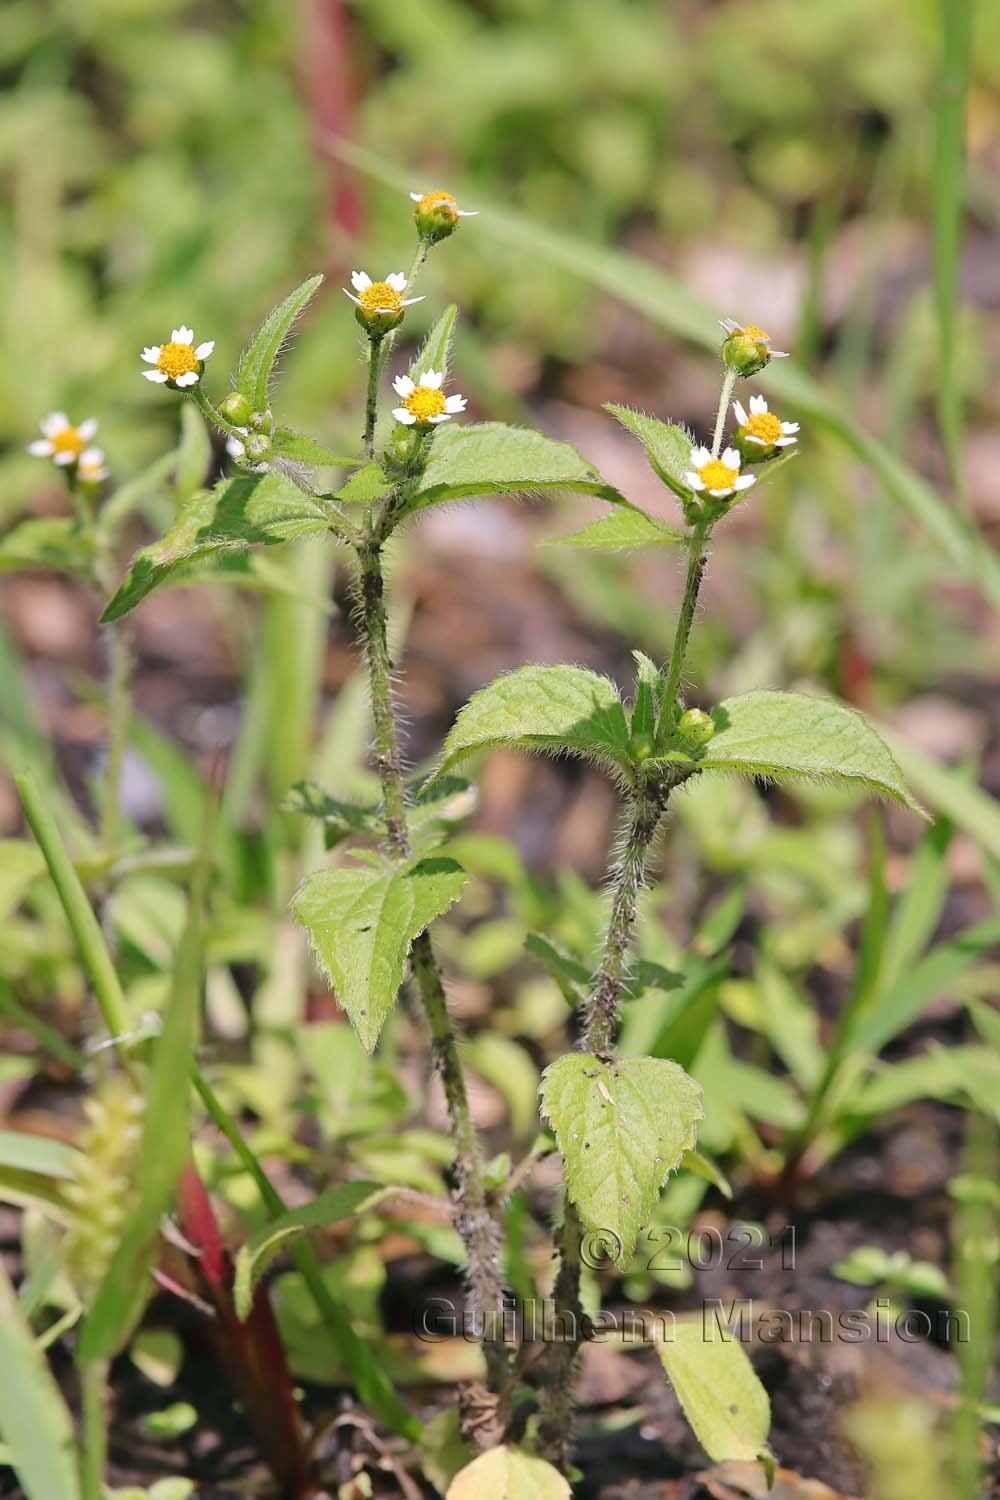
point(67, 441)
point(176, 359)
point(764, 425)
point(447, 201)
point(425, 402)
point(715, 475)
point(380, 297)
point(751, 331)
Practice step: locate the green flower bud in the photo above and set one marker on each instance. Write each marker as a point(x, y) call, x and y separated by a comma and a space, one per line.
point(256, 446)
point(640, 746)
point(436, 215)
point(747, 349)
point(695, 726)
point(262, 421)
point(236, 409)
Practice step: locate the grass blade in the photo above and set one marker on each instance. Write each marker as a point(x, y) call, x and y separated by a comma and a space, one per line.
point(34, 1422)
point(947, 204)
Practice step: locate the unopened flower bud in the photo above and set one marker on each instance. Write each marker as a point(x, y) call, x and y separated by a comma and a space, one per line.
point(262, 421)
point(695, 726)
point(436, 216)
point(236, 409)
point(747, 348)
point(257, 445)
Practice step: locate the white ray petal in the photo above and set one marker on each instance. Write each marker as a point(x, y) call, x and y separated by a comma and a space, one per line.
point(41, 448)
point(744, 482)
point(56, 421)
point(64, 458)
point(397, 280)
point(730, 458)
point(410, 301)
point(205, 349)
point(432, 379)
point(454, 403)
point(87, 429)
point(741, 413)
point(360, 280)
point(699, 457)
point(152, 354)
point(402, 415)
point(441, 416)
point(694, 481)
point(789, 426)
point(157, 376)
point(751, 437)
point(403, 385)
point(182, 335)
point(758, 405)
point(190, 377)
point(721, 494)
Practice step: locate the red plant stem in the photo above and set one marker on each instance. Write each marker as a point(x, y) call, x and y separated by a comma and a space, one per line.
point(250, 1353)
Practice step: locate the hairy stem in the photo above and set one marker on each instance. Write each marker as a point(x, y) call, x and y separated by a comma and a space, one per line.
point(642, 818)
point(697, 558)
point(375, 346)
point(562, 1355)
point(728, 386)
point(474, 1218)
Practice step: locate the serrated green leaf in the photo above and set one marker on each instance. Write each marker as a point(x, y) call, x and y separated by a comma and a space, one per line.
point(621, 531)
point(340, 818)
point(508, 1474)
point(194, 452)
point(572, 976)
point(369, 483)
point(237, 513)
point(435, 352)
point(622, 1126)
point(362, 922)
point(254, 374)
point(35, 1425)
point(305, 450)
point(722, 1398)
point(778, 735)
point(56, 543)
point(490, 458)
point(560, 709)
point(668, 448)
point(340, 1202)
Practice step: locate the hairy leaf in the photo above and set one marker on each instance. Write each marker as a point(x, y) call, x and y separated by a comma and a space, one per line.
point(369, 483)
point(340, 1202)
point(621, 531)
point(782, 735)
point(490, 458)
point(435, 352)
point(305, 450)
point(254, 374)
point(559, 709)
point(56, 543)
point(362, 922)
point(722, 1398)
point(668, 448)
point(622, 1126)
point(508, 1474)
point(237, 513)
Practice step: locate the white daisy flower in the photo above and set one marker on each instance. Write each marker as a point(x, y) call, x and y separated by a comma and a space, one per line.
point(179, 362)
point(380, 304)
point(63, 442)
point(719, 477)
point(761, 427)
point(424, 403)
point(91, 468)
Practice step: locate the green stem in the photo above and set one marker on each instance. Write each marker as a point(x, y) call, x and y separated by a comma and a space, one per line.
point(213, 415)
point(94, 1454)
point(697, 558)
point(562, 1355)
point(474, 1218)
point(728, 386)
point(642, 818)
point(83, 923)
point(119, 713)
point(375, 361)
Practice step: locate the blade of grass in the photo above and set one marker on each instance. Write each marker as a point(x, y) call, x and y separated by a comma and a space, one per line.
point(34, 1422)
point(665, 301)
point(948, 206)
point(165, 1143)
point(83, 923)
